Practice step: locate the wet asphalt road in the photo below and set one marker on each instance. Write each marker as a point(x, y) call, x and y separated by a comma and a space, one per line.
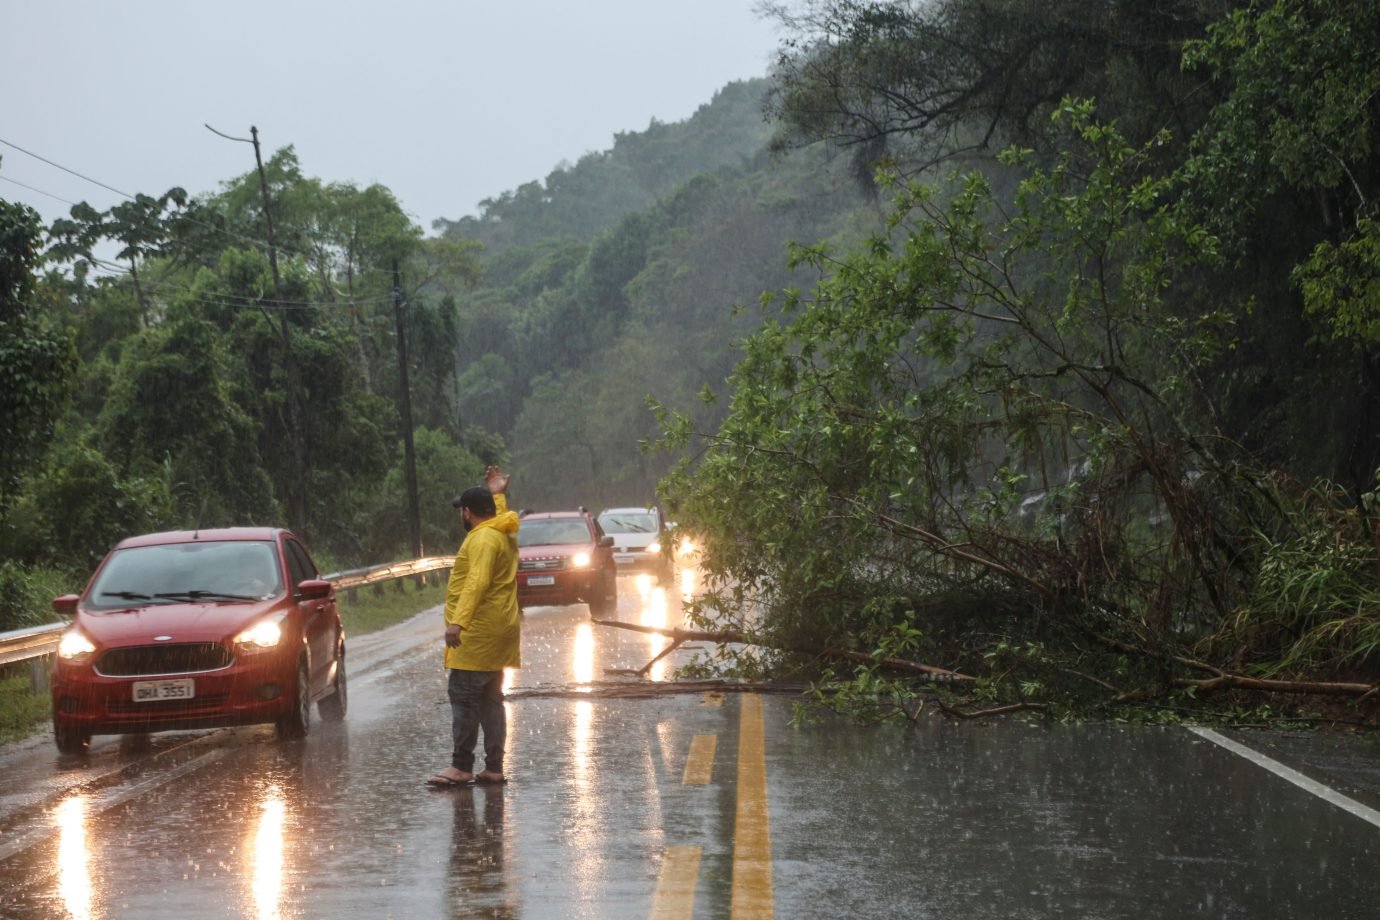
point(698, 805)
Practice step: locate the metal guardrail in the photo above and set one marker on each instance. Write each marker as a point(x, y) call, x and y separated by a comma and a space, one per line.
point(376, 573)
point(37, 641)
point(22, 644)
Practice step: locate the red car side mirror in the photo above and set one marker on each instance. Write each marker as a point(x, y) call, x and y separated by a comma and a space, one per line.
point(66, 604)
point(314, 589)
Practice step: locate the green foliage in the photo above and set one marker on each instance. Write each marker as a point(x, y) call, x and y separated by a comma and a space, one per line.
point(80, 506)
point(377, 513)
point(26, 594)
point(37, 359)
point(370, 610)
point(21, 710)
point(170, 402)
point(885, 432)
point(580, 201)
point(915, 84)
point(1314, 607)
point(1341, 283)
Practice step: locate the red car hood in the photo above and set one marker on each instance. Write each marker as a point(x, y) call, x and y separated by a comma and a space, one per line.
point(199, 622)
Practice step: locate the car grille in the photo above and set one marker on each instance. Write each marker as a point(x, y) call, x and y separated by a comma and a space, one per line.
point(153, 707)
point(154, 660)
point(542, 565)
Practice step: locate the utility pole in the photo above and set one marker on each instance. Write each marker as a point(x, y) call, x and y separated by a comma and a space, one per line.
point(414, 515)
point(297, 497)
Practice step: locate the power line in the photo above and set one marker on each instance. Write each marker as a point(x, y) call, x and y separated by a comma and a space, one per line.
point(38, 190)
point(260, 244)
point(115, 270)
point(65, 169)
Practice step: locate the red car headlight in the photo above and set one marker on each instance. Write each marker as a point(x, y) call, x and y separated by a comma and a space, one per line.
point(580, 561)
point(74, 646)
point(262, 635)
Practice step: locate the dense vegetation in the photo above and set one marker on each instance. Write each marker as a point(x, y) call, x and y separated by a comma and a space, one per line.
point(1070, 380)
point(167, 373)
point(1092, 419)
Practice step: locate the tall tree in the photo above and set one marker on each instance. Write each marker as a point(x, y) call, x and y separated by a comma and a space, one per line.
point(37, 360)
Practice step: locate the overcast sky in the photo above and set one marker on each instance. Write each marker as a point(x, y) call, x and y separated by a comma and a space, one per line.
point(446, 103)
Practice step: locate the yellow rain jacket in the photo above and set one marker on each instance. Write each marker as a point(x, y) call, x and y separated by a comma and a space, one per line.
point(481, 597)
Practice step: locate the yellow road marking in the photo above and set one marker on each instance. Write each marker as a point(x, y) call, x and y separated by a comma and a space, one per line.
point(675, 890)
point(752, 895)
point(699, 763)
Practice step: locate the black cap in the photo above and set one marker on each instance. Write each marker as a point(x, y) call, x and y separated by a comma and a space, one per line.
point(478, 499)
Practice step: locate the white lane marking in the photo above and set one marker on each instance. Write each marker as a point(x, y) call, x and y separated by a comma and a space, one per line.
point(1326, 793)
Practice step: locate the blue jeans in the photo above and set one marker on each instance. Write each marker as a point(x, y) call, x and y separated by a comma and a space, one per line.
point(476, 701)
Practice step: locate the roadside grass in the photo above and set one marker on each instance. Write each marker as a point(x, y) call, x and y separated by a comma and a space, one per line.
point(24, 713)
point(392, 603)
point(21, 710)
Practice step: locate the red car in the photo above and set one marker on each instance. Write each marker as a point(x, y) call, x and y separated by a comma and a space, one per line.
point(564, 558)
point(199, 629)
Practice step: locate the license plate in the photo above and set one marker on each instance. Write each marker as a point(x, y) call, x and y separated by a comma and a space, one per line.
point(146, 691)
point(539, 581)
point(623, 558)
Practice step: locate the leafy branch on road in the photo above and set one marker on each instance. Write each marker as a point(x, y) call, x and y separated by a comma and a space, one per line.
point(985, 433)
point(680, 636)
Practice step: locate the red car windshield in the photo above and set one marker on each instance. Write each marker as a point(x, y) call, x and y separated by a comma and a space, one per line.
point(554, 532)
point(225, 570)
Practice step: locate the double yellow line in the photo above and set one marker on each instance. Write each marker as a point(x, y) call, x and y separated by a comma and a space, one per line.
point(752, 891)
point(752, 897)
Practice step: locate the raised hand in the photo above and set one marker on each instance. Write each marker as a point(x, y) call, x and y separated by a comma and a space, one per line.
point(496, 480)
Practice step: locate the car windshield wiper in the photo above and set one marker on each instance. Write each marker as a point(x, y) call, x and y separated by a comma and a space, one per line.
point(199, 595)
point(135, 596)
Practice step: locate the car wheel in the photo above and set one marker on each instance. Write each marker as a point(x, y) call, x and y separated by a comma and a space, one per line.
point(71, 740)
point(606, 606)
point(333, 707)
point(295, 724)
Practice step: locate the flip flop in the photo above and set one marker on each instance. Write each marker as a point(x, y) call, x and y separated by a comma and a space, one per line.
point(445, 782)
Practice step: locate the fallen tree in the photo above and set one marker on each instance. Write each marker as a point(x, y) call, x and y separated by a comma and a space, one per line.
point(646, 689)
point(737, 637)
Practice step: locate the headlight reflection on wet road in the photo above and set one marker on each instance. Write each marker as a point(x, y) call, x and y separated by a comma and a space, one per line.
point(654, 615)
point(267, 856)
point(585, 804)
point(584, 654)
point(74, 859)
point(687, 584)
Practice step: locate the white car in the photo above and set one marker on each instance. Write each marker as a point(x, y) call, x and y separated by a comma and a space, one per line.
point(638, 535)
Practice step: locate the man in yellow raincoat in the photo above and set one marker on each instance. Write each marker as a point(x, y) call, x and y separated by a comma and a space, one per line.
point(483, 631)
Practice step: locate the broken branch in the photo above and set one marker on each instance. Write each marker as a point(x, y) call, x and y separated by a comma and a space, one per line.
point(727, 636)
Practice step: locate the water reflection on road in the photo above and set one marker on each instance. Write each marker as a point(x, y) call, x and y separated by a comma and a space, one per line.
point(266, 855)
point(938, 819)
point(74, 858)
